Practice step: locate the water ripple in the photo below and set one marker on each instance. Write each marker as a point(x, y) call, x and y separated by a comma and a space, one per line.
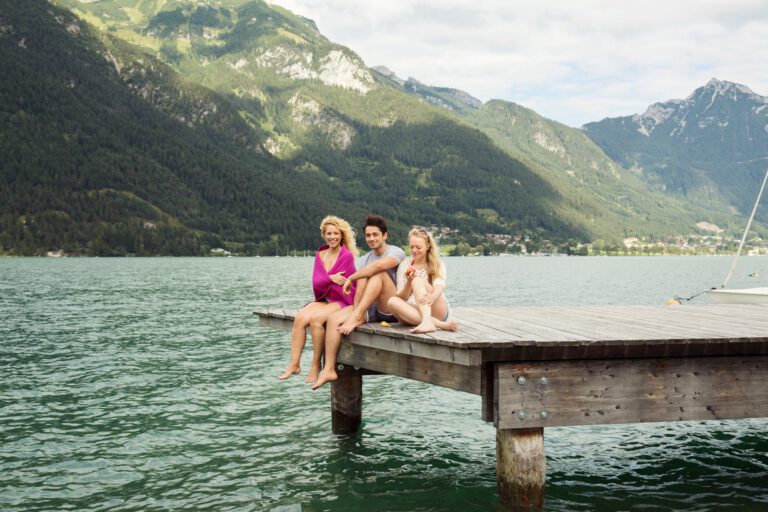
point(144, 384)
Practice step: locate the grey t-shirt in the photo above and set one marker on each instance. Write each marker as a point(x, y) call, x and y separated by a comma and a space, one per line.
point(392, 250)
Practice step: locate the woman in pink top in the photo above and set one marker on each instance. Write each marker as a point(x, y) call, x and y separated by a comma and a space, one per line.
point(333, 263)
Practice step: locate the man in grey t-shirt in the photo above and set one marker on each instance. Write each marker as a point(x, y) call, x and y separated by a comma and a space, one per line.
point(365, 264)
point(376, 284)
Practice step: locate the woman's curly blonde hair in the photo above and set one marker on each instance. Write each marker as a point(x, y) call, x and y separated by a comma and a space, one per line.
point(347, 233)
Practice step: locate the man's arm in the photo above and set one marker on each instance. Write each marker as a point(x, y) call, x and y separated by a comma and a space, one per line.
point(371, 269)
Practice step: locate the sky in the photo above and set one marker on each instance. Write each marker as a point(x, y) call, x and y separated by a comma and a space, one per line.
point(572, 61)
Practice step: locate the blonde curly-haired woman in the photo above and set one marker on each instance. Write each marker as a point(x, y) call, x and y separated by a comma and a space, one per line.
point(333, 263)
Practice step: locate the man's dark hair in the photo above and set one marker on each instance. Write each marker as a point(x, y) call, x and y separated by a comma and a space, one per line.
point(377, 221)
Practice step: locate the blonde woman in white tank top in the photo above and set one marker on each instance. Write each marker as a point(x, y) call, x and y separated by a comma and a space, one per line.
point(421, 280)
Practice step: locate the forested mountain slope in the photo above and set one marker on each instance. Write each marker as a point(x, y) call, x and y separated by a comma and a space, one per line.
point(113, 152)
point(144, 127)
point(91, 166)
point(614, 200)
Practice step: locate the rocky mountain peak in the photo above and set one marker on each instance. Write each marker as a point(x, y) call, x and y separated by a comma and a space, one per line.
point(716, 92)
point(384, 70)
point(724, 88)
point(713, 143)
point(709, 105)
point(655, 115)
point(443, 97)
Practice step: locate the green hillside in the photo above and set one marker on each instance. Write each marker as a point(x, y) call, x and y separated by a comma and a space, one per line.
point(92, 167)
point(613, 200)
point(173, 127)
point(116, 153)
point(323, 110)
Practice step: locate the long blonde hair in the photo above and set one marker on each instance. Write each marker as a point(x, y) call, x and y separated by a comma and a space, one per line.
point(433, 254)
point(347, 233)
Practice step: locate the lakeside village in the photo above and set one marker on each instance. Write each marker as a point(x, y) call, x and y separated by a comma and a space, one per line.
point(453, 243)
point(494, 244)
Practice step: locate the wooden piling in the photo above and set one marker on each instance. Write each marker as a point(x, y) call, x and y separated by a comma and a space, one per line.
point(521, 468)
point(346, 400)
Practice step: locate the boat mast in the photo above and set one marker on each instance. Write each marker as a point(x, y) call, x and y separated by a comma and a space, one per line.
point(744, 236)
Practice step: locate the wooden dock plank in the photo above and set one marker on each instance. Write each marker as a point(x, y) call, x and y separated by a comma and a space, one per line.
point(581, 323)
point(441, 373)
point(639, 331)
point(606, 328)
point(665, 321)
point(466, 357)
point(718, 316)
point(471, 326)
point(668, 322)
point(724, 319)
point(630, 391)
point(528, 324)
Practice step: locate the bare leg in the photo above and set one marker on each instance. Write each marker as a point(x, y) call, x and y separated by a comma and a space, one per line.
point(379, 289)
point(419, 285)
point(447, 325)
point(332, 345)
point(409, 314)
point(299, 337)
point(359, 290)
point(440, 311)
point(317, 330)
point(371, 291)
point(388, 290)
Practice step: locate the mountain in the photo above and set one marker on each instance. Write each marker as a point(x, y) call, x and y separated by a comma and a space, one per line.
point(325, 112)
point(598, 192)
point(710, 148)
point(251, 130)
point(454, 100)
point(595, 191)
point(237, 124)
point(108, 151)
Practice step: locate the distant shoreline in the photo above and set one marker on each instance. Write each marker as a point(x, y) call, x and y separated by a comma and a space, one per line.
point(536, 255)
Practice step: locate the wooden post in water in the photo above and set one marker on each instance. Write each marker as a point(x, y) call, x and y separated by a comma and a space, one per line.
point(346, 400)
point(521, 468)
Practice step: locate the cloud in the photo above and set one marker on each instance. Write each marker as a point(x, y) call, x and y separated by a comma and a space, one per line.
point(574, 62)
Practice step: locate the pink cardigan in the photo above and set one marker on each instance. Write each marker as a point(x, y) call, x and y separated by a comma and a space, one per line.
point(324, 288)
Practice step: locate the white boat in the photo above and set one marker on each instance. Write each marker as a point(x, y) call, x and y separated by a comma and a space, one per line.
point(725, 295)
point(739, 296)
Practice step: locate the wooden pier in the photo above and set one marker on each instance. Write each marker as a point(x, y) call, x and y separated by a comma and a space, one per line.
point(537, 367)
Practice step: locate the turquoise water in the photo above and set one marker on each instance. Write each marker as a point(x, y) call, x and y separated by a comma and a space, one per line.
point(147, 384)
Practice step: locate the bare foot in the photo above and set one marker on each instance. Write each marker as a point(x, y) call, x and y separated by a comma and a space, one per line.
point(290, 371)
point(349, 324)
point(313, 373)
point(424, 327)
point(450, 325)
point(326, 376)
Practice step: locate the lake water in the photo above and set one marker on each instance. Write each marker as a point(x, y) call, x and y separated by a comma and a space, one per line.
point(147, 384)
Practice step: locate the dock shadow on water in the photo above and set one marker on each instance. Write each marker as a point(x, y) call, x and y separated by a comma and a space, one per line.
point(144, 384)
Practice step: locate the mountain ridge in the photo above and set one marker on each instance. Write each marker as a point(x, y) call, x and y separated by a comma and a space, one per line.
point(711, 147)
point(135, 159)
point(615, 197)
point(246, 74)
